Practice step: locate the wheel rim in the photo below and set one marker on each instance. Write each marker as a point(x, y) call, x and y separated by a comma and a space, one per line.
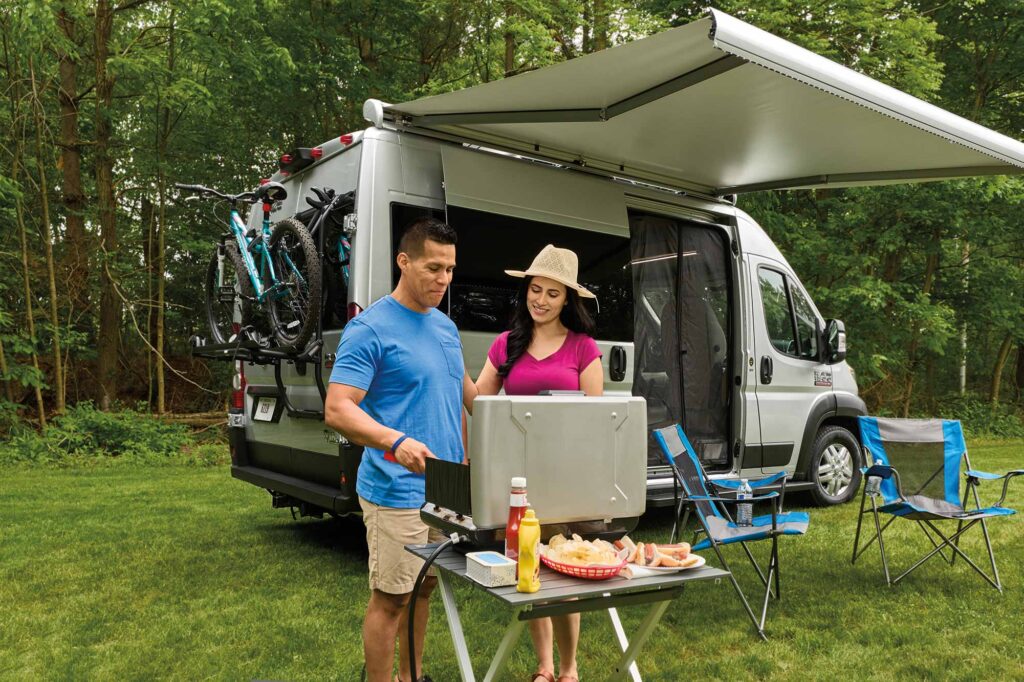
point(835, 470)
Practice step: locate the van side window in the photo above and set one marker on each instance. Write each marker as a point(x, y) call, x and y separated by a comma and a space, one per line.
point(789, 319)
point(482, 296)
point(777, 316)
point(806, 325)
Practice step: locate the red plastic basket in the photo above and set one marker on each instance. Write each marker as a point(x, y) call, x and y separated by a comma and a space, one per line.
point(588, 572)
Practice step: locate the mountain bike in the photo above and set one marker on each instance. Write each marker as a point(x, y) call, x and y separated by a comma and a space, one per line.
point(326, 222)
point(276, 267)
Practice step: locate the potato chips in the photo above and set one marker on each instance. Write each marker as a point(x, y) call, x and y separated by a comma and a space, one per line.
point(580, 552)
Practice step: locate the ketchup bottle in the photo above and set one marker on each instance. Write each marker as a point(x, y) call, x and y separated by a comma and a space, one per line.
point(516, 509)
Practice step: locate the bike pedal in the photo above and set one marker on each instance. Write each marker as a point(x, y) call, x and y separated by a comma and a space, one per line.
point(226, 294)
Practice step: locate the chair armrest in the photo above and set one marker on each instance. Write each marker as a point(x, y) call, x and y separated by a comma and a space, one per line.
point(983, 475)
point(879, 470)
point(731, 500)
point(973, 476)
point(754, 483)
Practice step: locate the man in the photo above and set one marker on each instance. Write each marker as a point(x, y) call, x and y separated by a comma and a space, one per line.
point(397, 389)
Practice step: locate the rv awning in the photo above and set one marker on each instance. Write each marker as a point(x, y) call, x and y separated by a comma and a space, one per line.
point(720, 107)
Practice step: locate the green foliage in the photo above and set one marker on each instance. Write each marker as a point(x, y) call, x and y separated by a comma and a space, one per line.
point(86, 436)
point(980, 419)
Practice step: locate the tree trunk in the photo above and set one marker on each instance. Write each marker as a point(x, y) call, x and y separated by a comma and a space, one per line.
point(13, 78)
point(110, 306)
point(47, 235)
point(601, 20)
point(997, 370)
point(8, 389)
point(161, 248)
point(1018, 380)
point(147, 214)
point(76, 265)
point(931, 267)
point(30, 321)
point(510, 41)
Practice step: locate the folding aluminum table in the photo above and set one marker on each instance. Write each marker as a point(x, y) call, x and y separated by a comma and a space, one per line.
point(559, 595)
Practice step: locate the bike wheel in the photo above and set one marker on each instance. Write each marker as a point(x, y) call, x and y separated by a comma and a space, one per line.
point(229, 295)
point(294, 309)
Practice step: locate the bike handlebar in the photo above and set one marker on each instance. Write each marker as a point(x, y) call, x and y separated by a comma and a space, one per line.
point(210, 192)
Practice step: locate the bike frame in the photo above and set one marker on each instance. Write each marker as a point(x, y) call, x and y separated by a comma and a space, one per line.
point(258, 274)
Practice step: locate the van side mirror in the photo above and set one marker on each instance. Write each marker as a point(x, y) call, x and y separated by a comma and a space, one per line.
point(835, 341)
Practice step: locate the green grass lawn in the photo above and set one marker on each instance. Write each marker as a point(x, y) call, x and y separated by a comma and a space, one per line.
point(184, 573)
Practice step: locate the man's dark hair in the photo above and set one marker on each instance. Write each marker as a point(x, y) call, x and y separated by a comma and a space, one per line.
point(423, 229)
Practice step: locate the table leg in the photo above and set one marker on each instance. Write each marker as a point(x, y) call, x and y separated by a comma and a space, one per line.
point(620, 633)
point(650, 621)
point(508, 642)
point(451, 610)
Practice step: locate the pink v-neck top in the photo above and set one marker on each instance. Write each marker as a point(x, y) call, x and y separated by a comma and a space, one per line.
point(559, 371)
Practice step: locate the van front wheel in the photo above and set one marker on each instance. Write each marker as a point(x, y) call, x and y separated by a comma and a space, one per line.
point(835, 466)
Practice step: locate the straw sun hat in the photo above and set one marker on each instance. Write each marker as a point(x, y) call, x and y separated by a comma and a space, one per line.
point(561, 265)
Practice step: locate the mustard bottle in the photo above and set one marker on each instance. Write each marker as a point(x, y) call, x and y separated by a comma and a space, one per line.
point(529, 553)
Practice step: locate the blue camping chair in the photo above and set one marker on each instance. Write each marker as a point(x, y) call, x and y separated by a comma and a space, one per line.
point(917, 465)
point(717, 524)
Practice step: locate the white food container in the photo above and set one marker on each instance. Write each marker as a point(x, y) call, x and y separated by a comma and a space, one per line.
point(491, 569)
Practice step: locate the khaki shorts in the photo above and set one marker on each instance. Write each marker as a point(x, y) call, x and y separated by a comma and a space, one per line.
point(388, 531)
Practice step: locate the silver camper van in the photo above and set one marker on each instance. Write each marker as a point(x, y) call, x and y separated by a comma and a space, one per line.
point(632, 157)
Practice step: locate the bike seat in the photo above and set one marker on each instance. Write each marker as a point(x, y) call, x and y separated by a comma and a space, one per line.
point(272, 191)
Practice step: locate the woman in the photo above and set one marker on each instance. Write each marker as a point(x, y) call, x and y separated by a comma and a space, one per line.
point(549, 347)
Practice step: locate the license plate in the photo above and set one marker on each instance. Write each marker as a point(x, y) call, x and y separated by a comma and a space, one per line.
point(265, 409)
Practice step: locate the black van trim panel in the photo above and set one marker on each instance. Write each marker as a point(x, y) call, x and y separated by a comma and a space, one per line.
point(767, 455)
point(314, 493)
point(315, 467)
point(823, 408)
point(849, 405)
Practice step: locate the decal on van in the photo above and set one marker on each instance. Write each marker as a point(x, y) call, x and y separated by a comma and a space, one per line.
point(823, 377)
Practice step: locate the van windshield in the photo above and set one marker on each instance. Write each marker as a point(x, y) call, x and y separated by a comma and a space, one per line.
point(482, 295)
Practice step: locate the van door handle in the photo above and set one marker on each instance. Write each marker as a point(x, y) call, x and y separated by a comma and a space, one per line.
point(617, 364)
point(766, 369)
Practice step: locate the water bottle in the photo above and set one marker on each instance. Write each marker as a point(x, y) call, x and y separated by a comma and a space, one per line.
point(744, 510)
point(874, 483)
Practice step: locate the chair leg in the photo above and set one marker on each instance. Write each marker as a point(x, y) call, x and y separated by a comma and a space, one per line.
point(920, 524)
point(960, 524)
point(881, 543)
point(757, 567)
point(949, 542)
point(739, 592)
point(860, 519)
point(772, 568)
point(988, 541)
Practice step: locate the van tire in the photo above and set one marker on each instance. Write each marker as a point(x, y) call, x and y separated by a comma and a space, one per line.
point(834, 466)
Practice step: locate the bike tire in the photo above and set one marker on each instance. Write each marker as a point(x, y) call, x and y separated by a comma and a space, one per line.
point(221, 310)
point(295, 313)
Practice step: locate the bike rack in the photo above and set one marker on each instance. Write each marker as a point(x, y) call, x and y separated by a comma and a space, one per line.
point(248, 350)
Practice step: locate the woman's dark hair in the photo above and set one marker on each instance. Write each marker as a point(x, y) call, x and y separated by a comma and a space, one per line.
point(574, 316)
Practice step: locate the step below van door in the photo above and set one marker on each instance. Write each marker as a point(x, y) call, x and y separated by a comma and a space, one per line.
point(787, 364)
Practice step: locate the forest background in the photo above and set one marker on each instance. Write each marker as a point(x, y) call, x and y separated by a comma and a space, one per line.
point(104, 105)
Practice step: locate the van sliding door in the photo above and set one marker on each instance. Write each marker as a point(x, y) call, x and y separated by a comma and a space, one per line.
point(682, 331)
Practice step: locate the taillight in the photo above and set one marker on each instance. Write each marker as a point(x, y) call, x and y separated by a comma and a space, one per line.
point(316, 153)
point(346, 139)
point(353, 310)
point(286, 158)
point(264, 181)
point(238, 388)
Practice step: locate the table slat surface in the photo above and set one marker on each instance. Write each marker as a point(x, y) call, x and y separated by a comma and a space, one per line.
point(555, 586)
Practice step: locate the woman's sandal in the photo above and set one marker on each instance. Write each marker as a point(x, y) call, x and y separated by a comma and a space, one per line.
point(567, 678)
point(543, 675)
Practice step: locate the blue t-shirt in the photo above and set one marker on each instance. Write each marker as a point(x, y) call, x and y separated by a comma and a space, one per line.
point(410, 365)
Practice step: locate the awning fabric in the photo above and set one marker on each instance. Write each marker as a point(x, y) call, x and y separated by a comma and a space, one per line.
point(719, 106)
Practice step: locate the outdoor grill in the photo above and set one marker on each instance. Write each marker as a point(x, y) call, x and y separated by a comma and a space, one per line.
point(584, 459)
